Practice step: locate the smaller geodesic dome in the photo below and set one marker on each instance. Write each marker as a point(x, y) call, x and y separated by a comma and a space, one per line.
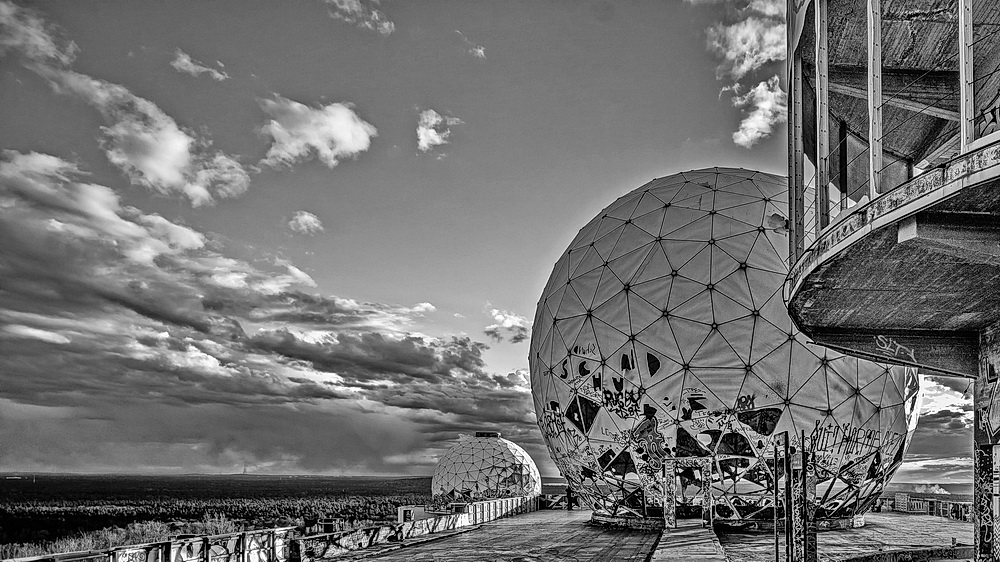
point(485, 467)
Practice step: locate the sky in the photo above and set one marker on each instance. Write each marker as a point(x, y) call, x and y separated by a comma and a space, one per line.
point(309, 236)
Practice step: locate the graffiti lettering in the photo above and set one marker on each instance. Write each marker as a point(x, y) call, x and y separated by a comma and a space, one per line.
point(589, 349)
point(628, 361)
point(625, 403)
point(892, 348)
point(745, 402)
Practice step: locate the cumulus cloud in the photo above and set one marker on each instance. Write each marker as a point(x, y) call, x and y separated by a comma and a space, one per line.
point(25, 33)
point(304, 222)
point(747, 45)
point(764, 106)
point(423, 307)
point(361, 13)
point(433, 129)
point(156, 343)
point(750, 37)
point(331, 133)
point(513, 325)
point(139, 138)
point(961, 386)
point(150, 147)
point(930, 489)
point(184, 64)
point(473, 49)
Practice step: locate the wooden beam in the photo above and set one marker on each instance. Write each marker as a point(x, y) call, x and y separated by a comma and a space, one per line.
point(822, 118)
point(902, 103)
point(874, 98)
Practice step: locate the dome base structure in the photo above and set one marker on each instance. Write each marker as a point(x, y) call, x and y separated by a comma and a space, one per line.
point(484, 467)
point(665, 370)
point(628, 522)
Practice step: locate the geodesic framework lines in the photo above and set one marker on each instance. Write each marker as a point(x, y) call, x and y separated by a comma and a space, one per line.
point(661, 334)
point(483, 468)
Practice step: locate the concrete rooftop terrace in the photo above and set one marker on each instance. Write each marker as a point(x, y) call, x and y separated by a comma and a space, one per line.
point(558, 535)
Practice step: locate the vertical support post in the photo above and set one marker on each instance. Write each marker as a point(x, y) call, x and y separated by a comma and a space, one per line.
point(874, 97)
point(706, 491)
point(798, 156)
point(669, 497)
point(842, 164)
point(795, 185)
point(798, 538)
point(822, 118)
point(789, 532)
point(986, 405)
point(774, 483)
point(967, 107)
point(809, 541)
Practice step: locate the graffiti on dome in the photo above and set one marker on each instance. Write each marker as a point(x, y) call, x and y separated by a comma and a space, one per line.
point(691, 372)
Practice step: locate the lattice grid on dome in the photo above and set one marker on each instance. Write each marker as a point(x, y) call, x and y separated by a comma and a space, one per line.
point(485, 468)
point(662, 334)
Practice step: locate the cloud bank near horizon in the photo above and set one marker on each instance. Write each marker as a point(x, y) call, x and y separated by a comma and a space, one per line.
point(159, 343)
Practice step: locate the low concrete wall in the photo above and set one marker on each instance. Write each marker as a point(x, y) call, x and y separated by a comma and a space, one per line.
point(280, 545)
point(917, 555)
point(330, 545)
point(266, 545)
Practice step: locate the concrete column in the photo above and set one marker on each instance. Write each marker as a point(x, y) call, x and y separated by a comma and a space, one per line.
point(669, 493)
point(706, 491)
point(986, 497)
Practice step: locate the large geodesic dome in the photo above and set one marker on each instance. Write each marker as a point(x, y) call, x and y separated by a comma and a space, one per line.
point(485, 467)
point(662, 340)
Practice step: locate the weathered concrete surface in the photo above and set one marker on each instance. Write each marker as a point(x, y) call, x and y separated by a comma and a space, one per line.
point(548, 535)
point(689, 542)
point(882, 532)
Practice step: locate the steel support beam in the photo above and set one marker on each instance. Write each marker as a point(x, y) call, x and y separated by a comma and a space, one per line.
point(822, 118)
point(842, 163)
point(796, 160)
point(874, 97)
point(967, 107)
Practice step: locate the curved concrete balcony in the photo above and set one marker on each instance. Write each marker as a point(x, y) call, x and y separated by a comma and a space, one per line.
point(913, 276)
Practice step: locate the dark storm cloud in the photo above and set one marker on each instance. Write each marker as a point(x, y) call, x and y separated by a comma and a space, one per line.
point(945, 422)
point(515, 326)
point(962, 386)
point(945, 433)
point(127, 340)
point(493, 332)
point(375, 356)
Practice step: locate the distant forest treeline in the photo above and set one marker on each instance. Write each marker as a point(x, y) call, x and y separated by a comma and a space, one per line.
point(47, 507)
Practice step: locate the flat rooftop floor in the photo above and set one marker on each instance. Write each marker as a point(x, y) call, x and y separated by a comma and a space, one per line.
point(563, 536)
point(882, 532)
point(551, 535)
